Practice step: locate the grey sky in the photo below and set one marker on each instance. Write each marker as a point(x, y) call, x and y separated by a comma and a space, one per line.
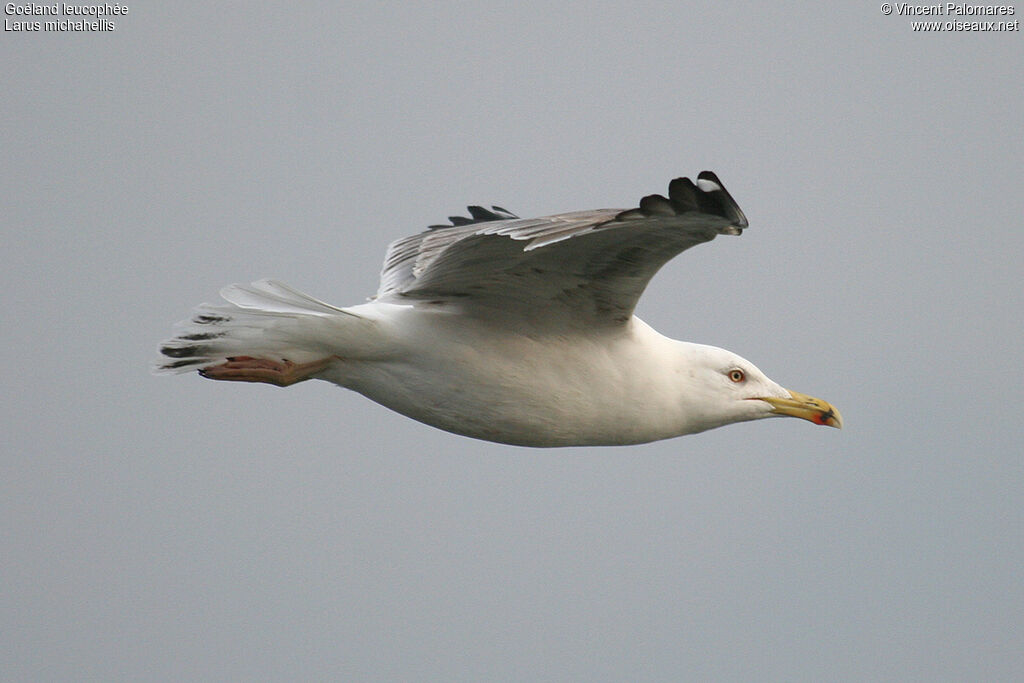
point(180, 529)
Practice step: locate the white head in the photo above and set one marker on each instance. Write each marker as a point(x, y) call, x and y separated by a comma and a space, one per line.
point(722, 388)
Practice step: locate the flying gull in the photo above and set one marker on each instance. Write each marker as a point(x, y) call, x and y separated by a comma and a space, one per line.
point(508, 329)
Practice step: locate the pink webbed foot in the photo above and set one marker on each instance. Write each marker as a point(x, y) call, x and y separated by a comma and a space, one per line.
point(279, 373)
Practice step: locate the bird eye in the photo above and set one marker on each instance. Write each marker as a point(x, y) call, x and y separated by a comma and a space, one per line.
point(736, 375)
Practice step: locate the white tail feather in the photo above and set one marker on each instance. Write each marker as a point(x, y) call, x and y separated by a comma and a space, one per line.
point(270, 296)
point(266, 319)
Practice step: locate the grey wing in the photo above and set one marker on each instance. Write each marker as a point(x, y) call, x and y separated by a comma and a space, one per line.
point(583, 268)
point(407, 256)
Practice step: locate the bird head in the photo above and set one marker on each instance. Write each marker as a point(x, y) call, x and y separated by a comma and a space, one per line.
point(734, 390)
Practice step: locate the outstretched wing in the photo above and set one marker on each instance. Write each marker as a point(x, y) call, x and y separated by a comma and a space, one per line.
point(581, 268)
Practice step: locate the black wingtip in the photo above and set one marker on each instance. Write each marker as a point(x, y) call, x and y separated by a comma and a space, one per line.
point(478, 214)
point(721, 197)
point(708, 195)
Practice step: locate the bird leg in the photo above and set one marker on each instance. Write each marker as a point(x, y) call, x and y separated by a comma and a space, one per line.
point(281, 373)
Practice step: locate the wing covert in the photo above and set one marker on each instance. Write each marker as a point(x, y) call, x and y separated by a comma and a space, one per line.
point(581, 268)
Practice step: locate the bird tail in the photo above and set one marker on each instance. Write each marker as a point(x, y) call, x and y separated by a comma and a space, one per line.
point(266, 320)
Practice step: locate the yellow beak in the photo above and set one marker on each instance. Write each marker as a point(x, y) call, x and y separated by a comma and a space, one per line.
point(807, 408)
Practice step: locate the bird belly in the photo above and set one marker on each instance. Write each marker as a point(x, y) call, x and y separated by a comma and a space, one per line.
point(524, 390)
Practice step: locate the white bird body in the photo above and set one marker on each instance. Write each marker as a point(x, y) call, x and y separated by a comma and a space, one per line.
point(478, 334)
point(620, 386)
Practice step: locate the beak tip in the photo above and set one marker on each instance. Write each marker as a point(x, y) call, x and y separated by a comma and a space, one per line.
point(832, 418)
point(808, 408)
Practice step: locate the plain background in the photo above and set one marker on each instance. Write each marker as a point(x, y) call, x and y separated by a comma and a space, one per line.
point(174, 529)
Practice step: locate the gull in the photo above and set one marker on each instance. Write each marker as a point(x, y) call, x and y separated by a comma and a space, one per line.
point(512, 330)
